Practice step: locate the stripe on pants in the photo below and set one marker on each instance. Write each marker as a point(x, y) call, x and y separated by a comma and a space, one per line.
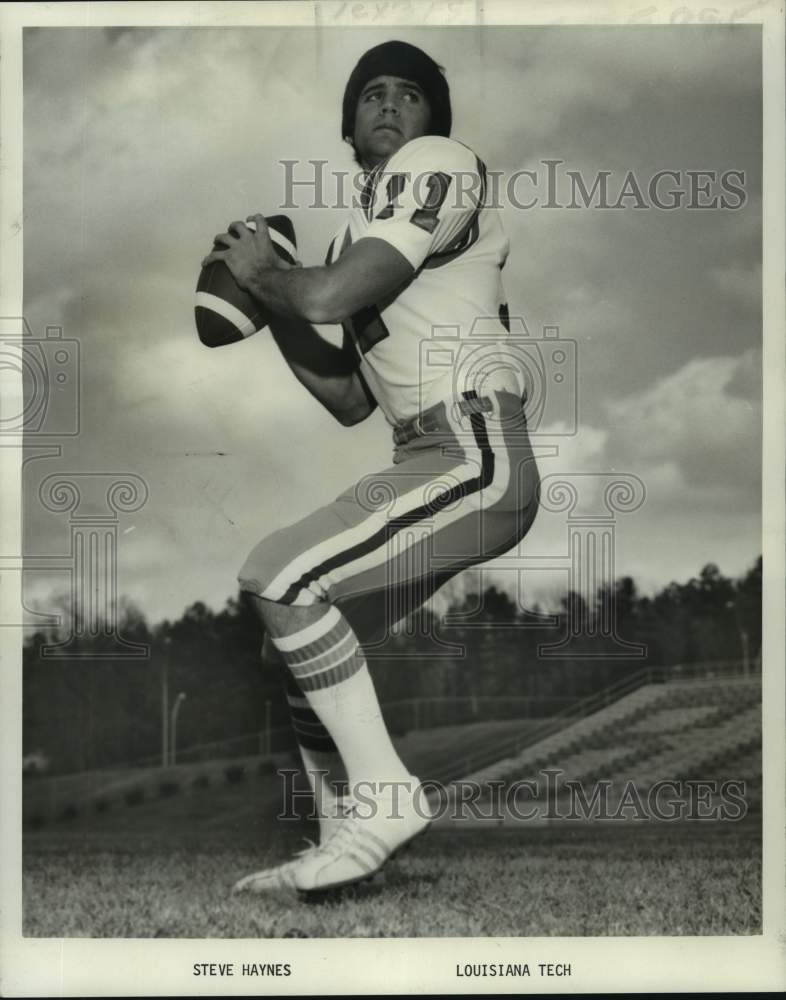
point(364, 545)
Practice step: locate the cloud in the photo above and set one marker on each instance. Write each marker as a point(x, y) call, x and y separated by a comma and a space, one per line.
point(740, 283)
point(695, 435)
point(140, 144)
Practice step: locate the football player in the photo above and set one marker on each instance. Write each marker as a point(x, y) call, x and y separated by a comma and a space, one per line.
point(420, 252)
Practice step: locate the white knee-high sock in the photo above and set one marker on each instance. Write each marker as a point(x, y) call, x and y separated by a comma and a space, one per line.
point(329, 667)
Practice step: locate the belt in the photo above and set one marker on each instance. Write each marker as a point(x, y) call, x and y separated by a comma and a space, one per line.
point(434, 418)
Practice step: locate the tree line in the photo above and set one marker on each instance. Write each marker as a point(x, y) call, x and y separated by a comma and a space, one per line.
point(85, 711)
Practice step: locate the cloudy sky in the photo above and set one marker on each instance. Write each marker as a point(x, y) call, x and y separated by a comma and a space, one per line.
point(141, 144)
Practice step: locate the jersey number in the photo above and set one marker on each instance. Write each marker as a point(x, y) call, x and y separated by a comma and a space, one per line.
point(437, 191)
point(367, 327)
point(424, 217)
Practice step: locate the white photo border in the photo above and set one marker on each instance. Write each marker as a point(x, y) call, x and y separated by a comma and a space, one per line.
point(85, 967)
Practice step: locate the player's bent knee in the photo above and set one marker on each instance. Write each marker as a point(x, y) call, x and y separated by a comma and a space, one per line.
point(252, 579)
point(258, 570)
point(284, 619)
point(267, 573)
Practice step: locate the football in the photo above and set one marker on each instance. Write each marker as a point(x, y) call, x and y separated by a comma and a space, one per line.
point(223, 311)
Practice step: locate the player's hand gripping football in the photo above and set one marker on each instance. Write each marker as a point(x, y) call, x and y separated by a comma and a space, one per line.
point(248, 250)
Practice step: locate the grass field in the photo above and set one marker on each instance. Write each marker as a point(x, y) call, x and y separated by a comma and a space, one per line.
point(565, 881)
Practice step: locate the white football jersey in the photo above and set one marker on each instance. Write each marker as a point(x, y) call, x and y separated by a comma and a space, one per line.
point(427, 201)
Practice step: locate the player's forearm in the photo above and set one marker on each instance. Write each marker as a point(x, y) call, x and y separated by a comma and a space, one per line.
point(305, 293)
point(367, 273)
point(303, 347)
point(327, 372)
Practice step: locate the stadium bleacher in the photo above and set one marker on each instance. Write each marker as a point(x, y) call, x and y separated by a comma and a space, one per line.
point(703, 728)
point(669, 728)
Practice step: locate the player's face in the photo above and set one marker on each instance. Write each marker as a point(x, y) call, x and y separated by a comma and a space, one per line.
point(390, 112)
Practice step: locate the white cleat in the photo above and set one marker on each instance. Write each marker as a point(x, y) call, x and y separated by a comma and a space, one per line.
point(279, 877)
point(282, 877)
point(365, 840)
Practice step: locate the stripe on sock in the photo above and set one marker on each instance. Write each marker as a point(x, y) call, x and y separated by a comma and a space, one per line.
point(309, 731)
point(317, 742)
point(305, 717)
point(334, 675)
point(338, 642)
point(288, 643)
point(308, 728)
point(332, 658)
point(323, 654)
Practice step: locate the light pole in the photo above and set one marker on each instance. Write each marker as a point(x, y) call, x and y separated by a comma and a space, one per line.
point(173, 727)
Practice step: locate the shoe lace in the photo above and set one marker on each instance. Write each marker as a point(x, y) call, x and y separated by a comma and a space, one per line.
point(344, 834)
point(311, 846)
point(346, 807)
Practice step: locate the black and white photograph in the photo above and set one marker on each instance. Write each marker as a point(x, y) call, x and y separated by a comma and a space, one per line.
point(392, 436)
